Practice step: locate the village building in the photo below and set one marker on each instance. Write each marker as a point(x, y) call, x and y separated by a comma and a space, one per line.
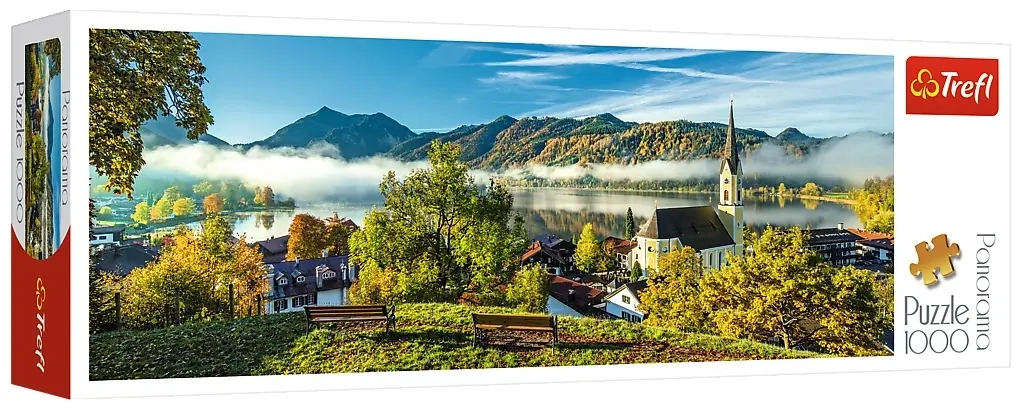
point(713, 232)
point(107, 235)
point(121, 259)
point(319, 281)
point(620, 249)
point(837, 246)
point(573, 299)
point(624, 302)
point(274, 250)
point(552, 253)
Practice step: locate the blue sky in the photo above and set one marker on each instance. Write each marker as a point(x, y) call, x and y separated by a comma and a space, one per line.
point(261, 83)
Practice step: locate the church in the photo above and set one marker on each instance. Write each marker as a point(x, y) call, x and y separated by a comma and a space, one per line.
point(712, 231)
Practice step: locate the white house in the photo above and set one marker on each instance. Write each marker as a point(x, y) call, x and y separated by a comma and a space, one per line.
point(624, 301)
point(320, 281)
point(555, 307)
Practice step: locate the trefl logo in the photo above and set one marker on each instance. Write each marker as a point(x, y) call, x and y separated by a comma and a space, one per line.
point(952, 86)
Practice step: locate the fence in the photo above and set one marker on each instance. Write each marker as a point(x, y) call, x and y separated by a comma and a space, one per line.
point(176, 313)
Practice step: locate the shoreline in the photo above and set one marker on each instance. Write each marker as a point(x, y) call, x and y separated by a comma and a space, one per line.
point(845, 201)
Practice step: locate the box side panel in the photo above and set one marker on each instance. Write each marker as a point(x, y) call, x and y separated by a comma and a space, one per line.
point(40, 241)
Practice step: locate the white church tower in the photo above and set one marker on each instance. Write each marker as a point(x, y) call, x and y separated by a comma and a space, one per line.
point(731, 208)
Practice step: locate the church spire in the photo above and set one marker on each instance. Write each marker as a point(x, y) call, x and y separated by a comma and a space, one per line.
point(730, 152)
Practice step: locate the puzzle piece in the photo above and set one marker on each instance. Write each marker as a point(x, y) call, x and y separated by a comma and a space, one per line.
point(935, 259)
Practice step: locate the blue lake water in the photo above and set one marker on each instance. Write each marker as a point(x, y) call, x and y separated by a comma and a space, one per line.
point(53, 146)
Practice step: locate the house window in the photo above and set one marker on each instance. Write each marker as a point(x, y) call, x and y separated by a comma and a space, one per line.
point(625, 299)
point(280, 305)
point(282, 281)
point(300, 279)
point(726, 195)
point(329, 274)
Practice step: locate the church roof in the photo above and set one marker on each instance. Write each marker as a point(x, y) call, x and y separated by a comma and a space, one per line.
point(731, 148)
point(698, 227)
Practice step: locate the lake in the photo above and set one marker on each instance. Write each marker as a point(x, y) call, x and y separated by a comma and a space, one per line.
point(565, 211)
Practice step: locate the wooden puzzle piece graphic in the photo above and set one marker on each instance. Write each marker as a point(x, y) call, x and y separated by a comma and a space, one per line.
point(934, 260)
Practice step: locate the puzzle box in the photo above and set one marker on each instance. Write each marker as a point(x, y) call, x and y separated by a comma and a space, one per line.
point(337, 205)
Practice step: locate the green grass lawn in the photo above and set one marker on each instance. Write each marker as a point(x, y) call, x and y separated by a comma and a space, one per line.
point(427, 337)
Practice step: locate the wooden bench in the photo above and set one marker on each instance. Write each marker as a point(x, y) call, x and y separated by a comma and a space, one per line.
point(513, 322)
point(319, 314)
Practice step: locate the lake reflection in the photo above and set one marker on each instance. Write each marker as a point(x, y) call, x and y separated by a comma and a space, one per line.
point(565, 211)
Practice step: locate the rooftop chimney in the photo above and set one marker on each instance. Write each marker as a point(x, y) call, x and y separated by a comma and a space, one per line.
point(326, 253)
point(840, 226)
point(570, 295)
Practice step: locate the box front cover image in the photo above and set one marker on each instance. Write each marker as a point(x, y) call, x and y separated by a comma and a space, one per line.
point(404, 212)
point(352, 209)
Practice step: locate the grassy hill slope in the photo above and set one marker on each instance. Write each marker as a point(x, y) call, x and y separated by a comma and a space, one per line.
point(428, 337)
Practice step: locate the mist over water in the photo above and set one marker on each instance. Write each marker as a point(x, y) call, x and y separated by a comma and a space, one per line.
point(317, 174)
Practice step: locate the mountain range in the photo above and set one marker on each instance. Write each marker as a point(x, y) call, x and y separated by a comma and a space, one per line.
point(508, 142)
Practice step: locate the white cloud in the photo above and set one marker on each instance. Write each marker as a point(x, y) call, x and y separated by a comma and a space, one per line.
point(820, 95)
point(551, 59)
point(520, 77)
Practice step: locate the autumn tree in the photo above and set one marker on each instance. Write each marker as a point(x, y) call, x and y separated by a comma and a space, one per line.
point(629, 225)
point(162, 210)
point(213, 203)
point(784, 291)
point(529, 289)
point(811, 189)
point(266, 197)
point(781, 190)
point(142, 213)
point(375, 285)
point(203, 188)
point(337, 235)
point(162, 73)
point(441, 232)
point(106, 211)
point(191, 281)
point(257, 199)
point(184, 206)
point(673, 297)
point(307, 237)
point(587, 255)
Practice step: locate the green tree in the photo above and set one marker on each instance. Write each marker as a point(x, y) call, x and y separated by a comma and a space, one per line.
point(216, 236)
point(162, 210)
point(529, 289)
point(172, 194)
point(636, 271)
point(673, 298)
point(203, 188)
point(441, 232)
point(106, 211)
point(629, 225)
point(231, 194)
point(184, 206)
point(588, 252)
point(783, 291)
point(142, 213)
point(162, 73)
point(101, 293)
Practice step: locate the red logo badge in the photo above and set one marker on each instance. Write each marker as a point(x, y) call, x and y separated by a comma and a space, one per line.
point(953, 86)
